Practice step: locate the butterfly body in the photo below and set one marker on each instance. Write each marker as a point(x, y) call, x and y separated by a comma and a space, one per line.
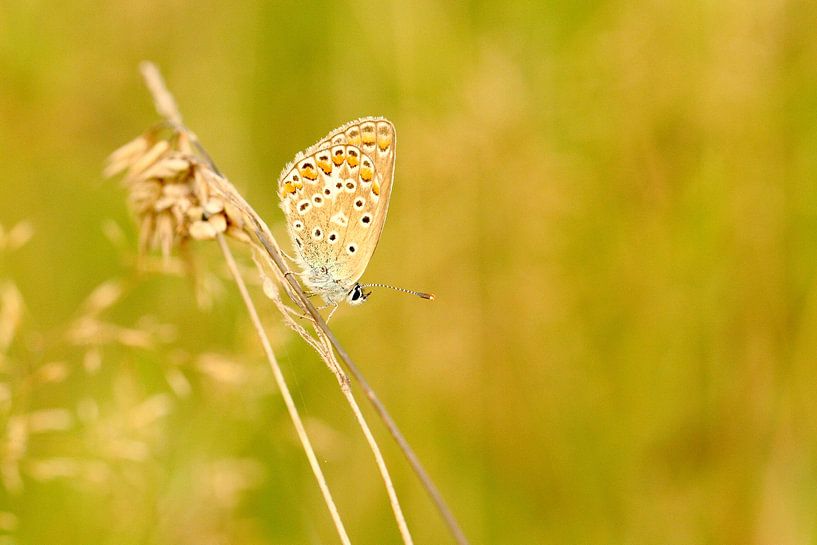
point(335, 197)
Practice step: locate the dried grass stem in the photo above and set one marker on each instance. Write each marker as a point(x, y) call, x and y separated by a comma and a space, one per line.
point(282, 385)
point(237, 218)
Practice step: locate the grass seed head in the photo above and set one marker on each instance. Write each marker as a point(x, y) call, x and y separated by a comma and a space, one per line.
point(170, 190)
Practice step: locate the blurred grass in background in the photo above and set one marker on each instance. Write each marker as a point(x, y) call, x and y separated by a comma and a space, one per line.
point(614, 202)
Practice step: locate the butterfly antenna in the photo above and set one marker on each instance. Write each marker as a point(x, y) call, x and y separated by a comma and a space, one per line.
point(429, 296)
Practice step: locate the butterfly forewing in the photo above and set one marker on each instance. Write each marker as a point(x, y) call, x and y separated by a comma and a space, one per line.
point(335, 197)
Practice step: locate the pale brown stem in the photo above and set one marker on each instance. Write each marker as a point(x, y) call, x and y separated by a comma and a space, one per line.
point(166, 106)
point(381, 464)
point(324, 350)
point(282, 385)
point(408, 452)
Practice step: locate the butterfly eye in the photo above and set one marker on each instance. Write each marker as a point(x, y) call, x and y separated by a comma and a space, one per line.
point(356, 295)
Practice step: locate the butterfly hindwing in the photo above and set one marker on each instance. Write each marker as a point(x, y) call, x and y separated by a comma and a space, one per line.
point(335, 197)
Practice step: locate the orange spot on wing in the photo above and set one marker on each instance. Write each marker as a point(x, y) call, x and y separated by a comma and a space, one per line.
point(309, 173)
point(287, 188)
point(353, 137)
point(385, 135)
point(368, 136)
point(366, 174)
point(325, 166)
point(352, 160)
point(376, 188)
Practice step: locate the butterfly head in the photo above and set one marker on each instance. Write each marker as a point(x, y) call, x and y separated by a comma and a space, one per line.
point(356, 295)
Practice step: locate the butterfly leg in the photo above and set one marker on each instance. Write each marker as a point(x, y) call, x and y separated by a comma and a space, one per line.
point(331, 312)
point(294, 313)
point(286, 255)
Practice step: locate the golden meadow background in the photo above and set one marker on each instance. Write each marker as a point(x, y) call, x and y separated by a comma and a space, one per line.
point(614, 202)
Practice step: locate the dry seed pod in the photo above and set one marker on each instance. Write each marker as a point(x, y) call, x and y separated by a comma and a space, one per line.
point(172, 193)
point(214, 206)
point(195, 213)
point(219, 223)
point(148, 159)
point(202, 230)
point(124, 157)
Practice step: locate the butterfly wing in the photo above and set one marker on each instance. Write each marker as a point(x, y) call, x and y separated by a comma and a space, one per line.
point(366, 207)
point(336, 196)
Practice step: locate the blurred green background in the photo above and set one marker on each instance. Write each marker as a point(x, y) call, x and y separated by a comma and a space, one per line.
point(615, 203)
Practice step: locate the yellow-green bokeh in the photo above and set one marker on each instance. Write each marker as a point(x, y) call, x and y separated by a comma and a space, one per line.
point(615, 203)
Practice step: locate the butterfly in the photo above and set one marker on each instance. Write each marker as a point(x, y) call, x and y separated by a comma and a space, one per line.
point(335, 197)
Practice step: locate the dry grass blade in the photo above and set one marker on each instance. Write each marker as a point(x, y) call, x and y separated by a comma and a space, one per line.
point(298, 295)
point(178, 193)
point(255, 225)
point(279, 378)
point(323, 347)
point(173, 203)
point(240, 213)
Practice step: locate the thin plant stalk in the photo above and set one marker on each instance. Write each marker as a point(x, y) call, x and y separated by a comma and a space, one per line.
point(324, 349)
point(381, 464)
point(282, 386)
point(166, 107)
point(275, 254)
